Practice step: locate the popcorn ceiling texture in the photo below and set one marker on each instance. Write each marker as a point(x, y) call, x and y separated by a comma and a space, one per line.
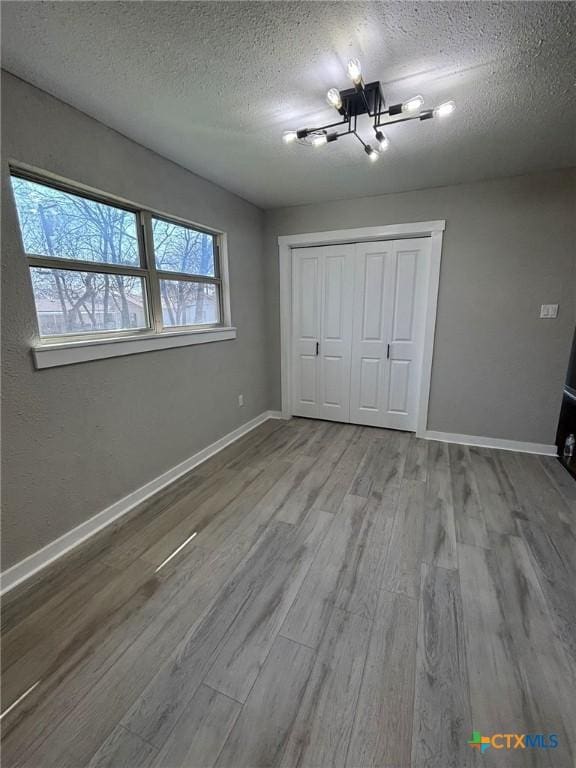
point(213, 85)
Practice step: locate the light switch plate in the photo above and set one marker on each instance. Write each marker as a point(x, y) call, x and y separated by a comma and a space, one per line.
point(549, 311)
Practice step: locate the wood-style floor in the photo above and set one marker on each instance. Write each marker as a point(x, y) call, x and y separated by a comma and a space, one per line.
point(352, 597)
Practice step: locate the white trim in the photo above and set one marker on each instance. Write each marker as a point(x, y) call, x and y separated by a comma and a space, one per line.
point(491, 442)
point(224, 265)
point(363, 234)
point(68, 353)
point(432, 285)
point(285, 254)
point(56, 549)
point(432, 229)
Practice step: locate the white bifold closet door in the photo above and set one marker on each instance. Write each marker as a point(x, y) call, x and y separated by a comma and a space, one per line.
point(322, 290)
point(358, 325)
point(388, 332)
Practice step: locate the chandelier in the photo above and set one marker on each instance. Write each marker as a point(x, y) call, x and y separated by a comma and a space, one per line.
point(365, 99)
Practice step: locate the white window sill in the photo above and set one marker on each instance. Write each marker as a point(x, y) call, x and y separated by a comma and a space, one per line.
point(71, 352)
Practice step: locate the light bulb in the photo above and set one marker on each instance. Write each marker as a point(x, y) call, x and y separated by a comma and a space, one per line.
point(289, 136)
point(319, 139)
point(354, 71)
point(383, 141)
point(371, 152)
point(413, 105)
point(443, 110)
point(333, 98)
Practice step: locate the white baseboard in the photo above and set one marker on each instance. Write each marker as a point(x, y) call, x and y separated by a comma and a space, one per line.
point(35, 562)
point(491, 442)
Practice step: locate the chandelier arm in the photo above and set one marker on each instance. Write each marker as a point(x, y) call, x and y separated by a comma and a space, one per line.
point(325, 127)
point(378, 105)
point(424, 115)
point(359, 139)
point(380, 111)
point(345, 133)
point(365, 100)
point(347, 122)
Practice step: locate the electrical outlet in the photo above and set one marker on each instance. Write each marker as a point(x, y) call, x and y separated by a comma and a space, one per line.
point(240, 400)
point(549, 311)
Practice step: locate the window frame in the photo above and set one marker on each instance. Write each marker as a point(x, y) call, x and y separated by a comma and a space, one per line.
point(146, 270)
point(188, 277)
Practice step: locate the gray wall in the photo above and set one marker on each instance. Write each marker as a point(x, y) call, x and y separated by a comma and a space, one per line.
point(509, 246)
point(76, 439)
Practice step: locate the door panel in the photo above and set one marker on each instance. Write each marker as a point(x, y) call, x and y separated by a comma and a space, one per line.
point(306, 265)
point(369, 378)
point(322, 280)
point(334, 375)
point(336, 331)
point(398, 392)
point(333, 292)
point(373, 296)
point(387, 332)
point(308, 383)
point(404, 296)
point(411, 259)
point(307, 288)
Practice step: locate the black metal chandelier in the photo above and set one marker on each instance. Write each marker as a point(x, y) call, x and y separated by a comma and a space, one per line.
point(365, 99)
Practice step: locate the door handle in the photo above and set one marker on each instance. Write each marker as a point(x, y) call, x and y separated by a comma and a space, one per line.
point(388, 352)
point(317, 348)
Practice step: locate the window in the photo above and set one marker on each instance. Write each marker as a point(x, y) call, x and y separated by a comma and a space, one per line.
point(102, 270)
point(186, 262)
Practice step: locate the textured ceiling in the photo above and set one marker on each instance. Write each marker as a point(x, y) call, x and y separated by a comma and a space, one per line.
point(212, 85)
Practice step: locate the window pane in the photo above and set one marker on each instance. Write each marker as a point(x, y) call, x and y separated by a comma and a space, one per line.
point(66, 226)
point(187, 303)
point(181, 249)
point(68, 301)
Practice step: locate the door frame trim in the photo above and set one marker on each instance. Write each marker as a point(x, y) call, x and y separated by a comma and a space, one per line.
point(432, 229)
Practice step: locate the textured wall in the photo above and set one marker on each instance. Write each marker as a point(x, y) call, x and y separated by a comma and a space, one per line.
point(509, 246)
point(76, 439)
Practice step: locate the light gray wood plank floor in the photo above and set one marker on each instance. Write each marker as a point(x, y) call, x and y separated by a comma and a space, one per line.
point(352, 597)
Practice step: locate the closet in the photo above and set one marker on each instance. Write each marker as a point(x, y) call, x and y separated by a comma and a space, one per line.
point(357, 331)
